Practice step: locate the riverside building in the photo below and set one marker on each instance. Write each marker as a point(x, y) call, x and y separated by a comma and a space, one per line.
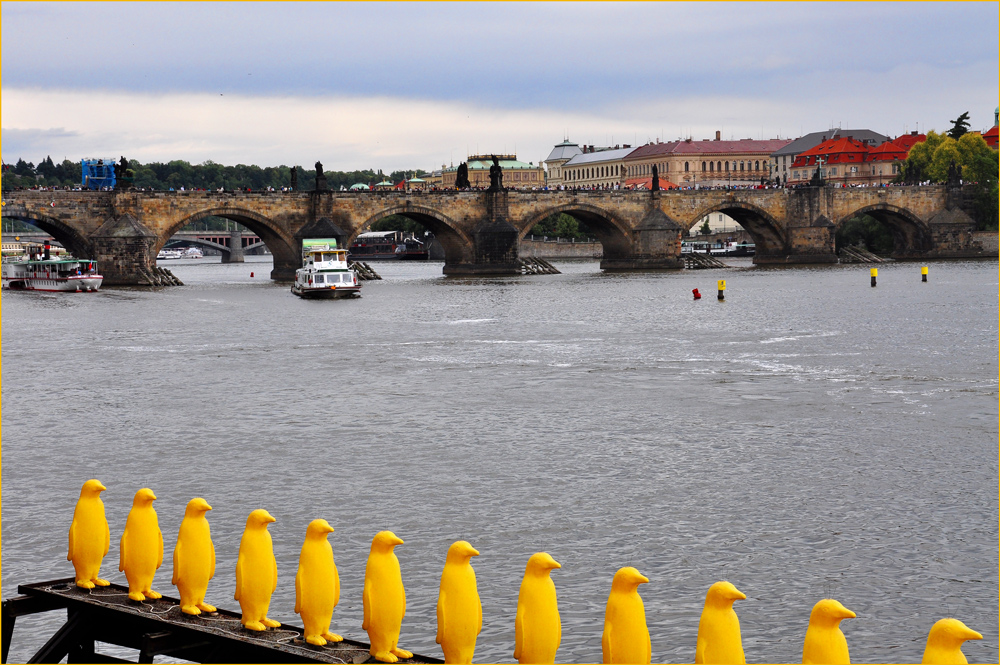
point(783, 158)
point(516, 174)
point(561, 153)
point(705, 163)
point(600, 168)
point(849, 161)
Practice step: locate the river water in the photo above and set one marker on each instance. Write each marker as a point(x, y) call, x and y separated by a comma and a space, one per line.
point(808, 437)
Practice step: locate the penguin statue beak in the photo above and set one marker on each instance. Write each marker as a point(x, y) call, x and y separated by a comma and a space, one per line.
point(327, 529)
point(972, 635)
point(396, 540)
point(269, 519)
point(101, 487)
point(847, 614)
point(555, 564)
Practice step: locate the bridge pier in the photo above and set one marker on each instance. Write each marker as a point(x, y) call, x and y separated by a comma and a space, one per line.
point(124, 250)
point(495, 242)
point(656, 243)
point(235, 254)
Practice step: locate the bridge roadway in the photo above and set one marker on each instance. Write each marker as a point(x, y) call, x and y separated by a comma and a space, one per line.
point(480, 231)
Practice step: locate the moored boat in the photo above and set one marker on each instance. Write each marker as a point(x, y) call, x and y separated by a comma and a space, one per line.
point(73, 275)
point(324, 272)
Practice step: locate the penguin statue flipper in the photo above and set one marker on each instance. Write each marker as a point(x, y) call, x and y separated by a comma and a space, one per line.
point(699, 651)
point(366, 606)
point(239, 577)
point(159, 560)
point(298, 593)
point(274, 586)
point(122, 548)
point(518, 633)
point(440, 618)
point(606, 643)
point(178, 558)
point(107, 540)
point(69, 554)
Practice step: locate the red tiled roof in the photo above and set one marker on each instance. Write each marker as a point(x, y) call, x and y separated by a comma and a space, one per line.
point(991, 136)
point(834, 151)
point(740, 147)
point(890, 151)
point(907, 141)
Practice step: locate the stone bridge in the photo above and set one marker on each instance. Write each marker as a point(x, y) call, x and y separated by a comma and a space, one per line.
point(480, 231)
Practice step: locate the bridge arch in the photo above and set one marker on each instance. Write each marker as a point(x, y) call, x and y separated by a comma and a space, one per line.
point(767, 233)
point(282, 246)
point(910, 235)
point(208, 244)
point(67, 236)
point(458, 245)
point(611, 231)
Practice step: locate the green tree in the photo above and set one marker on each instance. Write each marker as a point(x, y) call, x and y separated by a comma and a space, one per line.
point(959, 126)
point(705, 228)
point(561, 225)
point(868, 232)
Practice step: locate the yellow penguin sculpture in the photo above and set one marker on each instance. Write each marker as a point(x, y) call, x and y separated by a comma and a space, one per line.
point(944, 643)
point(317, 585)
point(719, 638)
point(537, 629)
point(194, 558)
point(626, 637)
point(825, 642)
point(141, 551)
point(89, 536)
point(384, 600)
point(256, 572)
point(459, 610)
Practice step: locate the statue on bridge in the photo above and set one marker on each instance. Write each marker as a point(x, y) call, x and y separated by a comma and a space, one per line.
point(462, 177)
point(320, 177)
point(496, 176)
point(656, 179)
point(954, 175)
point(121, 172)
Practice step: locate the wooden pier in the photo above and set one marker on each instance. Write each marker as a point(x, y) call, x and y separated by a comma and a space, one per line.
point(159, 628)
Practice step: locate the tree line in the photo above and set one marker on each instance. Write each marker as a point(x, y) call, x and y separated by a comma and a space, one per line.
point(207, 175)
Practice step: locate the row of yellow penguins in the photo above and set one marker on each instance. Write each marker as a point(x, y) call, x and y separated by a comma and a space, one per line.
point(537, 627)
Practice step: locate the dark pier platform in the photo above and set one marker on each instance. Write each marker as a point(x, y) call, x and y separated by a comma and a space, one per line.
point(159, 628)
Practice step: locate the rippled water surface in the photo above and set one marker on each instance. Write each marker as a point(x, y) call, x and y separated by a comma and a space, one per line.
point(810, 436)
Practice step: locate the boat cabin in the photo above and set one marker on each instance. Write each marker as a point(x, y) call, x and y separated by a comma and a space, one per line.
point(326, 259)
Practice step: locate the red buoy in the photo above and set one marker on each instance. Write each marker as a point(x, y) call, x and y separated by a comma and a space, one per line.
point(251, 274)
point(697, 296)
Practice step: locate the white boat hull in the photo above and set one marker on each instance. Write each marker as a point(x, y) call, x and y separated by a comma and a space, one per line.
point(70, 284)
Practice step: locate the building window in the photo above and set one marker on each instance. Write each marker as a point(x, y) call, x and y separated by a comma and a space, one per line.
point(703, 167)
point(756, 166)
point(685, 167)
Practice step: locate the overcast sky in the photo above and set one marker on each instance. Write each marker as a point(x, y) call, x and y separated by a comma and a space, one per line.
point(415, 85)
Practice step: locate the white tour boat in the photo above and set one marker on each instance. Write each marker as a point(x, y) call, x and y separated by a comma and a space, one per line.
point(51, 275)
point(324, 272)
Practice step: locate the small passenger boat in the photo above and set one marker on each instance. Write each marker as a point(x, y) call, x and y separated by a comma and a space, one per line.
point(324, 272)
point(50, 274)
